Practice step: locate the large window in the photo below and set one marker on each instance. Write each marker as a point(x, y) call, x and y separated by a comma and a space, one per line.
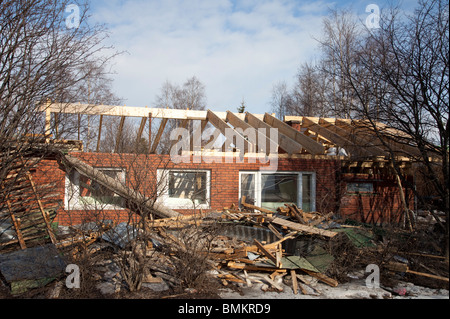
point(84, 193)
point(272, 190)
point(185, 189)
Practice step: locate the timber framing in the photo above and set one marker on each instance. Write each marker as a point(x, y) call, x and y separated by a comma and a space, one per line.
point(296, 135)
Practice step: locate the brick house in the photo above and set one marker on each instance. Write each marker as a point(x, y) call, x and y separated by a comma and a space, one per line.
point(325, 165)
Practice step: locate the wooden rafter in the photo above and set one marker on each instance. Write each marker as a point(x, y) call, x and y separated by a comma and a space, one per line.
point(334, 137)
point(237, 122)
point(222, 126)
point(119, 134)
point(99, 132)
point(308, 143)
point(392, 137)
point(158, 135)
point(286, 143)
point(363, 140)
point(184, 123)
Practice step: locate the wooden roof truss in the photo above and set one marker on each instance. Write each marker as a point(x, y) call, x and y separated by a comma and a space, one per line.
point(317, 136)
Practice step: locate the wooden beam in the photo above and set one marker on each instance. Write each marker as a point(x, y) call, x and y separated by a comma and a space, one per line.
point(119, 134)
point(48, 117)
point(360, 139)
point(99, 133)
point(308, 143)
point(128, 111)
point(222, 126)
point(183, 125)
point(138, 201)
point(158, 135)
point(294, 281)
point(329, 281)
point(266, 252)
point(141, 129)
point(396, 140)
point(237, 122)
point(286, 143)
point(16, 224)
point(303, 228)
point(335, 138)
point(149, 131)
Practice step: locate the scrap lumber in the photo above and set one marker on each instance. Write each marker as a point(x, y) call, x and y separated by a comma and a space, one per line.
point(136, 198)
point(303, 228)
point(295, 212)
point(321, 219)
point(400, 267)
point(294, 281)
point(329, 281)
point(242, 266)
point(250, 206)
point(41, 209)
point(267, 253)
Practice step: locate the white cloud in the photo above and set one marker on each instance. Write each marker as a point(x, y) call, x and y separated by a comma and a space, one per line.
point(238, 50)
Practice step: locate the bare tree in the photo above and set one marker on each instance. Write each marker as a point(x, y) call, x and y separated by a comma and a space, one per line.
point(341, 35)
point(46, 55)
point(399, 75)
point(191, 95)
point(309, 92)
point(280, 99)
point(43, 59)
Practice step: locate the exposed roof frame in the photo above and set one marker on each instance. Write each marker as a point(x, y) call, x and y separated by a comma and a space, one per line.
point(334, 137)
point(308, 143)
point(286, 143)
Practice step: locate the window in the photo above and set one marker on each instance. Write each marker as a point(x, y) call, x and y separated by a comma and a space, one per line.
point(357, 187)
point(185, 189)
point(277, 189)
point(272, 190)
point(84, 193)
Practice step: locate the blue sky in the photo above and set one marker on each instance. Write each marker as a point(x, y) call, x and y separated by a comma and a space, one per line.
point(237, 49)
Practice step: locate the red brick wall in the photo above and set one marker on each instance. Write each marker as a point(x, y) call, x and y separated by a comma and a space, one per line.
point(382, 206)
point(331, 196)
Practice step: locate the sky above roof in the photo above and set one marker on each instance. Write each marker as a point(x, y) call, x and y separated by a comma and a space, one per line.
point(237, 49)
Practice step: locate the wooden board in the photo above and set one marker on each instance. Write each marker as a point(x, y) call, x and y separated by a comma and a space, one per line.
point(303, 228)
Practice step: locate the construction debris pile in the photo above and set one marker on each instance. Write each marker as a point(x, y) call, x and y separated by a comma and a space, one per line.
point(235, 247)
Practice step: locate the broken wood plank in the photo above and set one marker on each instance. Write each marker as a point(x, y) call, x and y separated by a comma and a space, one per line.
point(400, 267)
point(303, 228)
point(294, 281)
point(268, 211)
point(321, 219)
point(242, 266)
point(329, 281)
point(295, 212)
point(427, 275)
point(265, 251)
point(275, 231)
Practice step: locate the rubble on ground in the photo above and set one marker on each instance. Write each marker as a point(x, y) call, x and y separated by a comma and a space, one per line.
point(245, 250)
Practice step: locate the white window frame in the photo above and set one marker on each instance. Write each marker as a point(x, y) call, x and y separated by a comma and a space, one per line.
point(179, 203)
point(72, 196)
point(258, 176)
